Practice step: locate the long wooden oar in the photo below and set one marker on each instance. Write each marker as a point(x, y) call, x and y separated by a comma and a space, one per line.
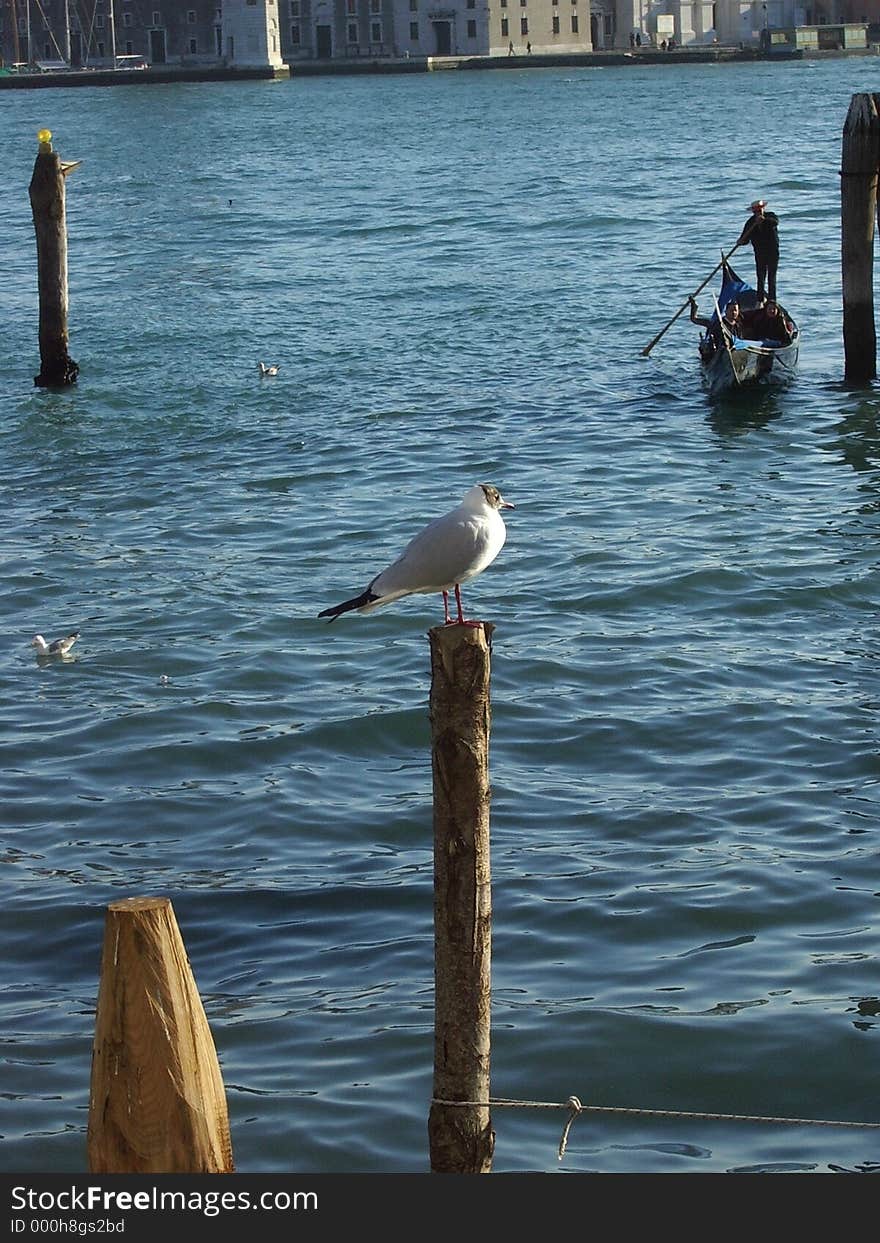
point(724, 258)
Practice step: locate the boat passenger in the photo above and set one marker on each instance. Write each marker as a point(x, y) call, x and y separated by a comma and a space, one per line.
point(769, 323)
point(732, 320)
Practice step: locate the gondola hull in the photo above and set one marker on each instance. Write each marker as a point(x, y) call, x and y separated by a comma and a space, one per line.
point(749, 363)
point(730, 364)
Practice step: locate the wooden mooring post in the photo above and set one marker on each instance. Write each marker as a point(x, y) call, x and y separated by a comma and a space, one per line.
point(157, 1103)
point(860, 161)
point(460, 1135)
point(48, 206)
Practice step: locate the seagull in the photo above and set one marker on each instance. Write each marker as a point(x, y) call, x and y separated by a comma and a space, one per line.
point(58, 647)
point(448, 552)
point(264, 370)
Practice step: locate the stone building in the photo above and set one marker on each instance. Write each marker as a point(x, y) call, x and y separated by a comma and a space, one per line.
point(240, 32)
point(164, 32)
point(328, 29)
point(274, 32)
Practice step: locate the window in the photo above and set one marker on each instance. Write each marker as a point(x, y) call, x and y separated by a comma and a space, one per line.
point(99, 21)
point(414, 31)
point(352, 32)
point(294, 8)
point(413, 5)
point(190, 17)
point(351, 7)
point(295, 36)
point(375, 6)
point(504, 27)
point(504, 4)
point(126, 19)
point(375, 32)
point(157, 18)
point(472, 4)
point(472, 30)
point(523, 25)
point(574, 23)
point(556, 23)
point(193, 46)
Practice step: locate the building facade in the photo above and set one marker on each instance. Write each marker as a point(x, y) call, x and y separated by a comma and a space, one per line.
point(274, 32)
point(277, 32)
point(328, 29)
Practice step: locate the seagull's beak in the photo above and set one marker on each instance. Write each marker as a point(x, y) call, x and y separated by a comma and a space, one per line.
point(507, 504)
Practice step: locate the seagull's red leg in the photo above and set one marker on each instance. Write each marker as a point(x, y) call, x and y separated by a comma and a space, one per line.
point(446, 606)
point(460, 620)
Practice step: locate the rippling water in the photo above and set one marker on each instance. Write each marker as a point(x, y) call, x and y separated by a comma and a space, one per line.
point(457, 273)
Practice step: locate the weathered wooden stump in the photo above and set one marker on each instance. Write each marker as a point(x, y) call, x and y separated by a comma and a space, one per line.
point(858, 205)
point(157, 1103)
point(461, 1138)
point(47, 195)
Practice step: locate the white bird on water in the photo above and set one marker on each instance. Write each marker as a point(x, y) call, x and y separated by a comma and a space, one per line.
point(265, 369)
point(448, 552)
point(58, 647)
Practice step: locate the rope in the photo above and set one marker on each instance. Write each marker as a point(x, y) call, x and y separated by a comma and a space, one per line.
point(574, 1106)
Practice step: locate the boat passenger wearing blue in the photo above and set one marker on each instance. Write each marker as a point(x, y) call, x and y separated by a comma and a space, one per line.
point(762, 232)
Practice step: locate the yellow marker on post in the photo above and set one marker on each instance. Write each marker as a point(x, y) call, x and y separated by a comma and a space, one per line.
point(44, 138)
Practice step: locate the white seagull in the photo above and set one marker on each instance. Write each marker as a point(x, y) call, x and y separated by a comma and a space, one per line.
point(448, 552)
point(267, 370)
point(58, 647)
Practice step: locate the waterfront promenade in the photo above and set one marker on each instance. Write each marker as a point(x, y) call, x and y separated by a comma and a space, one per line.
point(423, 64)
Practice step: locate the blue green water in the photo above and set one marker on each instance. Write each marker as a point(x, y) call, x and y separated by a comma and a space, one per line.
point(456, 274)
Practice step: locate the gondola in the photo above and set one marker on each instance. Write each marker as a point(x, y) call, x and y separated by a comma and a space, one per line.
point(731, 362)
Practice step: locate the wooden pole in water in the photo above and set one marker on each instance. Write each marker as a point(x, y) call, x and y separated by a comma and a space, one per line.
point(157, 1103)
point(47, 196)
point(460, 1136)
point(858, 205)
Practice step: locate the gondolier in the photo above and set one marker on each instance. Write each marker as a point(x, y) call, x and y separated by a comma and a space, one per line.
point(761, 231)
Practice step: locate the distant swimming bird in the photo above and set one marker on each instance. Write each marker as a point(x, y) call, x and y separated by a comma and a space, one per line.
point(264, 370)
point(58, 647)
point(448, 552)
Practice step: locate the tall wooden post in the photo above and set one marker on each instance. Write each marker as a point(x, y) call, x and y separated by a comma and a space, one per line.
point(858, 205)
point(461, 1138)
point(47, 196)
point(157, 1103)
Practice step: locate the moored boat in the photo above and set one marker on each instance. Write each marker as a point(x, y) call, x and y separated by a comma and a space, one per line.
point(741, 360)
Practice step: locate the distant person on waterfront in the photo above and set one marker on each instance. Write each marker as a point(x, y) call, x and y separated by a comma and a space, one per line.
point(761, 231)
point(638, 39)
point(528, 49)
point(510, 51)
